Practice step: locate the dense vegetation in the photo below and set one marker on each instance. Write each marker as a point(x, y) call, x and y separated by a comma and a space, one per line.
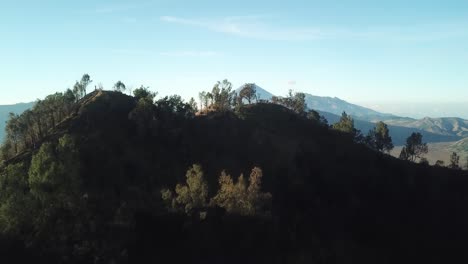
point(107, 177)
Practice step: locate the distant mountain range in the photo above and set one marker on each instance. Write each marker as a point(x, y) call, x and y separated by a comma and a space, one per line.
point(6, 109)
point(452, 126)
point(432, 129)
point(398, 133)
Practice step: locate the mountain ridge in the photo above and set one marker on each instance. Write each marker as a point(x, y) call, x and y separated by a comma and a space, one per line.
point(432, 130)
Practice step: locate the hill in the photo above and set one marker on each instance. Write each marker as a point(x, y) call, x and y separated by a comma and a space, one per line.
point(460, 146)
point(93, 186)
point(6, 109)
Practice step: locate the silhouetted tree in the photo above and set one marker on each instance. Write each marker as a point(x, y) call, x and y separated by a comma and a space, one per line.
point(379, 138)
point(144, 93)
point(248, 92)
point(222, 95)
point(79, 89)
point(424, 161)
point(439, 163)
point(174, 104)
point(119, 86)
point(316, 117)
point(193, 105)
point(293, 101)
point(414, 148)
point(346, 124)
point(454, 161)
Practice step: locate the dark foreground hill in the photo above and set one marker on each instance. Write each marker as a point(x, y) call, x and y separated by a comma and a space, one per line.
point(333, 201)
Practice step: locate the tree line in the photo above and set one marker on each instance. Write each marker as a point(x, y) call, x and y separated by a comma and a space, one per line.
point(26, 130)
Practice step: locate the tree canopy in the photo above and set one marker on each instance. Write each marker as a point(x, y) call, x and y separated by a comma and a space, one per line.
point(414, 147)
point(379, 138)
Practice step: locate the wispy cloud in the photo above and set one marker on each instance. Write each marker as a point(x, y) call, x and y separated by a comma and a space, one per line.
point(182, 54)
point(248, 26)
point(257, 27)
point(190, 54)
point(120, 8)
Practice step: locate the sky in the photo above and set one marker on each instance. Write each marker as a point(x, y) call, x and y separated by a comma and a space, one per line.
point(394, 56)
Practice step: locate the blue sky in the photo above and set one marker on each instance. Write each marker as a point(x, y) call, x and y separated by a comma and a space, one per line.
point(368, 52)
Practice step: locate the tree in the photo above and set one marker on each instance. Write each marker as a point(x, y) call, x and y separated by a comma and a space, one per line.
point(248, 92)
point(144, 112)
point(144, 93)
point(439, 163)
point(119, 86)
point(222, 96)
point(379, 138)
point(257, 201)
point(193, 105)
point(226, 197)
point(316, 117)
point(293, 101)
point(56, 188)
point(79, 89)
point(423, 161)
point(414, 148)
point(203, 100)
point(54, 172)
point(454, 161)
point(16, 204)
point(191, 195)
point(298, 103)
point(346, 124)
point(174, 104)
point(85, 81)
point(239, 198)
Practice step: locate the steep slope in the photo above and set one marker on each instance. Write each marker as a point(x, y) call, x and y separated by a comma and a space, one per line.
point(4, 112)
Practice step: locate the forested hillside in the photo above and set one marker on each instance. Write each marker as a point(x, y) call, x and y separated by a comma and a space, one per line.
point(106, 177)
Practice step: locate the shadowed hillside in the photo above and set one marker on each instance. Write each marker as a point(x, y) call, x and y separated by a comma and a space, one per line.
point(333, 201)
